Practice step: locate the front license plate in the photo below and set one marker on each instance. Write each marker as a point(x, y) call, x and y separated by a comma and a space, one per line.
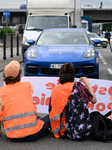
point(103, 42)
point(56, 66)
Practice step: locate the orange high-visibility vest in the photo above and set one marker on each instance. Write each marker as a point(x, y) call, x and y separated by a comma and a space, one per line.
point(19, 114)
point(59, 97)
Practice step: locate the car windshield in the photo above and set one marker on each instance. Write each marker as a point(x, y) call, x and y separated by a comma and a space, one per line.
point(93, 35)
point(88, 6)
point(63, 37)
point(46, 22)
point(84, 25)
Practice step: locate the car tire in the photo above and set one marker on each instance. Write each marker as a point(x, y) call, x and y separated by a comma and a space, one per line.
point(104, 46)
point(97, 76)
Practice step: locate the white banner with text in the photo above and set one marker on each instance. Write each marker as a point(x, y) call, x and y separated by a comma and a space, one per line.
point(42, 87)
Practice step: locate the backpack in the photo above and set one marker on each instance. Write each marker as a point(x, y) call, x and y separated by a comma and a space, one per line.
point(78, 122)
point(101, 126)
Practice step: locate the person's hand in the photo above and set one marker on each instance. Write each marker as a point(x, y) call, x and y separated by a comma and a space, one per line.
point(84, 80)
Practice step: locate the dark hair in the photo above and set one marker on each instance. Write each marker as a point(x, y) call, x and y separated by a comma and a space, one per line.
point(74, 26)
point(66, 73)
point(9, 80)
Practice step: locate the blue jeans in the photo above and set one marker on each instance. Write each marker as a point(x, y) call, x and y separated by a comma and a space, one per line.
point(34, 137)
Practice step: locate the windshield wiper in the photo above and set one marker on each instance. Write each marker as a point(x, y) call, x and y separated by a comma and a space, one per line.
point(36, 29)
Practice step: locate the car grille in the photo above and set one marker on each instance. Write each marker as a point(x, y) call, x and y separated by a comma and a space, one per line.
point(104, 42)
point(54, 71)
point(88, 69)
point(50, 71)
point(32, 69)
point(46, 70)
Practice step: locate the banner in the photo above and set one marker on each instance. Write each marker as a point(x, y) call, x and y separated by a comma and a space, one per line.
point(42, 87)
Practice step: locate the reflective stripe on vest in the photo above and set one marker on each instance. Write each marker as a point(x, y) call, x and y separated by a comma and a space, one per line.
point(23, 126)
point(54, 119)
point(57, 129)
point(22, 115)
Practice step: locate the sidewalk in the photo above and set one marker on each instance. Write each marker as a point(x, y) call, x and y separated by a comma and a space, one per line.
point(3, 63)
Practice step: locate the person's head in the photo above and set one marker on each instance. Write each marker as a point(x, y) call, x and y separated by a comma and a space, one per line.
point(66, 73)
point(12, 72)
point(74, 26)
point(60, 21)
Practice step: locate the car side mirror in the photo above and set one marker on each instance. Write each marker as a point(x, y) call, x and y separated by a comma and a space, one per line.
point(31, 42)
point(96, 41)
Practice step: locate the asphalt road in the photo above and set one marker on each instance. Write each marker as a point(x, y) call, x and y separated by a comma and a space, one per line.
point(105, 63)
point(48, 141)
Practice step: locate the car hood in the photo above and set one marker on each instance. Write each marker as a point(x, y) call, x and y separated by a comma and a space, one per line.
point(31, 34)
point(101, 39)
point(63, 51)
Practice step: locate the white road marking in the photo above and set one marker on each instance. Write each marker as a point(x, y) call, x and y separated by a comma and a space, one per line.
point(109, 70)
point(105, 63)
point(100, 56)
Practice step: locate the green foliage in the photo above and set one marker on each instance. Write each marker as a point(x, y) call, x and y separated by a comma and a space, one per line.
point(4, 30)
point(1, 33)
point(107, 26)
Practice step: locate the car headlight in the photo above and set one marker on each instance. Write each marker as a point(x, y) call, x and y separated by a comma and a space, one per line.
point(89, 53)
point(31, 53)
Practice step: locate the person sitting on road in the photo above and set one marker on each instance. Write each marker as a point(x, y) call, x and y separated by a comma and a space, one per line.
point(17, 111)
point(61, 92)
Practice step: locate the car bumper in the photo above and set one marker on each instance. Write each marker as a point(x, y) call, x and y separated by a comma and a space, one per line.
point(88, 69)
point(103, 43)
point(24, 48)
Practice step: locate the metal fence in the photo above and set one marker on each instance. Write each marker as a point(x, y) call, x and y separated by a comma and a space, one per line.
point(11, 44)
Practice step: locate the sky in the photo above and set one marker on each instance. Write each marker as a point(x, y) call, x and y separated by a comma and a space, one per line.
point(13, 1)
point(106, 3)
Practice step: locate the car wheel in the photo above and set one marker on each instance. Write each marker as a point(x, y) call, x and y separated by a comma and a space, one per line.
point(97, 76)
point(104, 46)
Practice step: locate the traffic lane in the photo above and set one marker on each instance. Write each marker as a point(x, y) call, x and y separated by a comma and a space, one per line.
point(103, 73)
point(49, 142)
point(105, 63)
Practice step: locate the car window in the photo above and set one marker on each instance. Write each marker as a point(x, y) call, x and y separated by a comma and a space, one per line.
point(45, 22)
point(63, 38)
point(93, 35)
